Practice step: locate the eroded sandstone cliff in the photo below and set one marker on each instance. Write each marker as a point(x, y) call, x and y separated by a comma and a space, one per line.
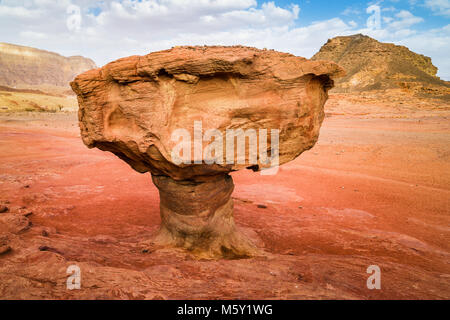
point(26, 67)
point(373, 65)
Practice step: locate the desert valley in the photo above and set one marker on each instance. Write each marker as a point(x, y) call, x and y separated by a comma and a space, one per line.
point(374, 190)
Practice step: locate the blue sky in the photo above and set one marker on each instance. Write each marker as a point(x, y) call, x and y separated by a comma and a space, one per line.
point(313, 10)
point(105, 30)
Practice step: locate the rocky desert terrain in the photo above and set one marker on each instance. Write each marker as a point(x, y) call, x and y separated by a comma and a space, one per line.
point(374, 190)
point(37, 80)
point(374, 65)
point(31, 100)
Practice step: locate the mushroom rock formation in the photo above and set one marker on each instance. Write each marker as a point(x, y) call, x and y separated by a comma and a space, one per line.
point(132, 107)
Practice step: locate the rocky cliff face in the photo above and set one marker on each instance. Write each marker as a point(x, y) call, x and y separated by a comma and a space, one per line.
point(371, 64)
point(25, 67)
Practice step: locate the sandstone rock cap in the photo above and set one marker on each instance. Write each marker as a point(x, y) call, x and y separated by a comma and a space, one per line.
point(132, 106)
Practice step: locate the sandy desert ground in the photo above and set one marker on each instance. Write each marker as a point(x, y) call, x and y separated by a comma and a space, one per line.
point(375, 190)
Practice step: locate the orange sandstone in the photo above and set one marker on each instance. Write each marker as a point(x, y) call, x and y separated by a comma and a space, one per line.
point(132, 107)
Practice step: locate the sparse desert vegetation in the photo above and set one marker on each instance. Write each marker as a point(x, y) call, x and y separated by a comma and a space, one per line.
point(28, 101)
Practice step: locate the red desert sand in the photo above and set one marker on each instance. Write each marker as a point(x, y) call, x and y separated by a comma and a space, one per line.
point(375, 190)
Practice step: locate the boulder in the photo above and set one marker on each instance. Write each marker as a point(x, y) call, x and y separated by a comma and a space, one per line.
point(192, 115)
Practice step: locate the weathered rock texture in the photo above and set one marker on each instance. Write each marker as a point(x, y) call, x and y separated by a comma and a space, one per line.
point(25, 67)
point(131, 107)
point(372, 65)
point(199, 217)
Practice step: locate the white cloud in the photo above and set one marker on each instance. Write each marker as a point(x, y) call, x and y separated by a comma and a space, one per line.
point(395, 27)
point(126, 27)
point(350, 11)
point(404, 19)
point(32, 35)
point(440, 7)
point(18, 12)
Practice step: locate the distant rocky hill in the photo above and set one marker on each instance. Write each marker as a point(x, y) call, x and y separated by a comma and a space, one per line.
point(372, 65)
point(25, 67)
